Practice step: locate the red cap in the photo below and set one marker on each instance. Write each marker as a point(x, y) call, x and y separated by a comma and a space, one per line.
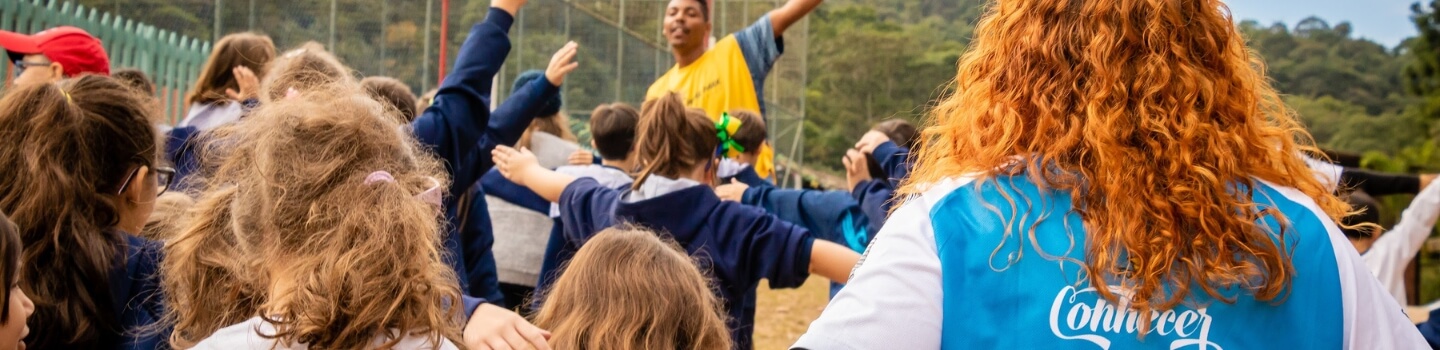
point(71, 47)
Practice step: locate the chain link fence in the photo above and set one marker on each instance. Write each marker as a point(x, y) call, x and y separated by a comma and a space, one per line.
point(622, 47)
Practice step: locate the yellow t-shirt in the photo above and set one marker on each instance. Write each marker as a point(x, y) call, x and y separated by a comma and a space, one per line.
point(723, 78)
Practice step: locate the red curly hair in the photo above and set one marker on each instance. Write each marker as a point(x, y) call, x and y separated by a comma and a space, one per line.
point(1158, 120)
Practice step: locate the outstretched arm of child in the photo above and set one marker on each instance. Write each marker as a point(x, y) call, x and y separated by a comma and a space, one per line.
point(521, 167)
point(832, 261)
point(511, 118)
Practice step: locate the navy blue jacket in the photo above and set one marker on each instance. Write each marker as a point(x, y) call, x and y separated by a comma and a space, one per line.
point(829, 215)
point(138, 300)
point(182, 149)
point(451, 127)
point(876, 196)
point(749, 177)
point(738, 245)
point(507, 123)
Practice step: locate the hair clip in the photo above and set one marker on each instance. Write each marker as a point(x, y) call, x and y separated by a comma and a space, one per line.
point(725, 129)
point(379, 176)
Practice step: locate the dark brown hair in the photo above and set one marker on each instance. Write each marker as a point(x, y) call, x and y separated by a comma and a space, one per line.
point(11, 247)
point(672, 139)
point(901, 132)
point(68, 147)
point(253, 51)
point(629, 289)
point(752, 132)
point(135, 79)
point(612, 126)
point(393, 93)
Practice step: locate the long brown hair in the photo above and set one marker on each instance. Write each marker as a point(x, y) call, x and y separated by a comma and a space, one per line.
point(627, 289)
point(672, 140)
point(249, 50)
point(1158, 120)
point(68, 147)
point(298, 199)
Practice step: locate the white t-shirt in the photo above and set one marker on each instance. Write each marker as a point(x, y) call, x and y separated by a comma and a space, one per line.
point(206, 116)
point(1392, 252)
point(896, 298)
point(247, 335)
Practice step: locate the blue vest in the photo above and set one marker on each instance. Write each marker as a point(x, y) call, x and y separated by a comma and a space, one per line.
point(1002, 292)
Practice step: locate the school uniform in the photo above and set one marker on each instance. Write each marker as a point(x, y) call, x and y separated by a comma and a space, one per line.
point(876, 196)
point(1392, 252)
point(738, 245)
point(829, 215)
point(522, 221)
point(729, 170)
point(137, 301)
point(943, 275)
point(457, 128)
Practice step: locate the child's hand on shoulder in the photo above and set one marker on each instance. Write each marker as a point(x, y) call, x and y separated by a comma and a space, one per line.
point(514, 164)
point(733, 191)
point(494, 327)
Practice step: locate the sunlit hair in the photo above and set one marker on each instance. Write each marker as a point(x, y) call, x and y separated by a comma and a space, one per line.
point(249, 50)
point(627, 289)
point(303, 68)
point(290, 202)
point(672, 140)
point(1157, 119)
point(67, 149)
point(168, 217)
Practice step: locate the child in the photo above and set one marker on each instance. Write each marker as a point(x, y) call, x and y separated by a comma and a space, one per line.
point(393, 94)
point(1387, 255)
point(332, 153)
point(498, 272)
point(1088, 186)
point(217, 97)
point(82, 180)
point(747, 134)
point(18, 307)
point(628, 289)
point(676, 152)
point(885, 151)
point(321, 228)
point(612, 134)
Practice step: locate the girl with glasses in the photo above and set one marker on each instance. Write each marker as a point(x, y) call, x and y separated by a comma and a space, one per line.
point(83, 178)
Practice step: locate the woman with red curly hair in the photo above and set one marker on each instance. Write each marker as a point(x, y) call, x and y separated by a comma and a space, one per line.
point(1112, 174)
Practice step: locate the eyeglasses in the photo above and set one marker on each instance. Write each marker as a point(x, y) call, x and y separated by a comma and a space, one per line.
point(163, 175)
point(21, 65)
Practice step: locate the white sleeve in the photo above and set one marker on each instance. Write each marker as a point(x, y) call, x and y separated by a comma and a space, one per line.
point(894, 299)
point(1328, 173)
point(1392, 252)
point(1373, 320)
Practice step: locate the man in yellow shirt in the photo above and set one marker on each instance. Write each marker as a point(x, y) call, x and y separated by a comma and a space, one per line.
point(731, 74)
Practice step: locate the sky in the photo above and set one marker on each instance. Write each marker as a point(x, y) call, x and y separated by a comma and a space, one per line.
point(1384, 21)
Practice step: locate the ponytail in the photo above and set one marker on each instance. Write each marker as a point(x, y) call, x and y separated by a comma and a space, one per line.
point(672, 140)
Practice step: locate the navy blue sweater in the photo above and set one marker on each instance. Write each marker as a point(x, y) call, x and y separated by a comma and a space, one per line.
point(829, 215)
point(736, 244)
point(138, 300)
point(876, 196)
point(454, 124)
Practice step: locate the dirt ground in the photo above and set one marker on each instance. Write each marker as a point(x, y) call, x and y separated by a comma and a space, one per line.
point(782, 315)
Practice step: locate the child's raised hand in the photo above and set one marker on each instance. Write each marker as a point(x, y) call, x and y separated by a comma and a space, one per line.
point(248, 83)
point(856, 168)
point(871, 140)
point(562, 63)
point(513, 163)
point(494, 327)
point(733, 191)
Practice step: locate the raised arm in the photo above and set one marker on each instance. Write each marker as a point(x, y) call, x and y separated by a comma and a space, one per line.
point(521, 167)
point(512, 117)
point(794, 10)
point(460, 113)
